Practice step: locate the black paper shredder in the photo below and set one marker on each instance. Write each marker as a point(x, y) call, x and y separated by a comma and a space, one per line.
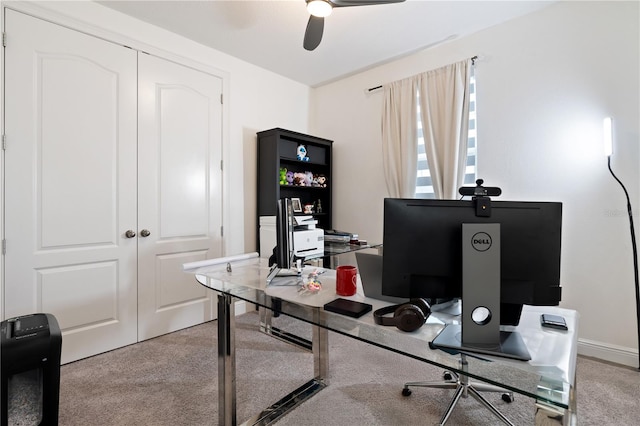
point(30, 351)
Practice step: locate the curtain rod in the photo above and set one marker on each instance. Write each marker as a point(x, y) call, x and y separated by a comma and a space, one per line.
point(373, 89)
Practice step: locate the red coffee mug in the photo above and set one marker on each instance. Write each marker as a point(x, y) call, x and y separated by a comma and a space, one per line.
point(346, 280)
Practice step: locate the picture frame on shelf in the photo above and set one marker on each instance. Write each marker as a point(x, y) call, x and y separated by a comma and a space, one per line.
point(297, 205)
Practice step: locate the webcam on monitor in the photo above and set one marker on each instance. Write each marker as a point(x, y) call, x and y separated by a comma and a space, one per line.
point(479, 190)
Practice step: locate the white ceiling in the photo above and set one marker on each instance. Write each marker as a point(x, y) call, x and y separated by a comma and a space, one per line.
point(269, 33)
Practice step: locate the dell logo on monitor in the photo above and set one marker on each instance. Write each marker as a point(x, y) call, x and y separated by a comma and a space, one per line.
point(481, 241)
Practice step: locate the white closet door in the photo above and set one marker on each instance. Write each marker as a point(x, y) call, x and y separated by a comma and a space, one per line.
point(179, 190)
point(70, 183)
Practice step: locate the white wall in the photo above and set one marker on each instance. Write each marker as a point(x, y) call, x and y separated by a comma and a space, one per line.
point(544, 83)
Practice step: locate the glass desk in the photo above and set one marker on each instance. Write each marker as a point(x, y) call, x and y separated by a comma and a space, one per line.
point(335, 254)
point(549, 377)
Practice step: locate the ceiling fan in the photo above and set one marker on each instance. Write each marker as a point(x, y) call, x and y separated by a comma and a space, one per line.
point(319, 9)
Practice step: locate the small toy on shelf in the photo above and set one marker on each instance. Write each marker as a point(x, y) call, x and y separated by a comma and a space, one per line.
point(308, 178)
point(302, 153)
point(283, 175)
point(289, 177)
point(298, 179)
point(322, 181)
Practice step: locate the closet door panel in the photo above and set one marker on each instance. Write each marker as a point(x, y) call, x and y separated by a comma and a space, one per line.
point(179, 192)
point(89, 143)
point(183, 161)
point(70, 183)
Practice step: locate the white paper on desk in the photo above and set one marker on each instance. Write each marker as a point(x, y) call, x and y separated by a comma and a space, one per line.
point(188, 267)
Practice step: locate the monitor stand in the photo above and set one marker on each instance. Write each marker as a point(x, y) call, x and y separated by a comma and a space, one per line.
point(276, 272)
point(480, 330)
point(509, 345)
point(450, 307)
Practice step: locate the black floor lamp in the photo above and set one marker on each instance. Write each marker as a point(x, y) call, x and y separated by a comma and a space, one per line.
point(608, 149)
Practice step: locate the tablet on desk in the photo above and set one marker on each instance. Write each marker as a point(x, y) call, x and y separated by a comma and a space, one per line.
point(348, 307)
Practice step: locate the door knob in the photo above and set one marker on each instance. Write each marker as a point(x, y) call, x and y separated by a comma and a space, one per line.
point(145, 233)
point(130, 234)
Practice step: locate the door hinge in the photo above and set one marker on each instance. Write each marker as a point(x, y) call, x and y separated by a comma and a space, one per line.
point(221, 98)
point(221, 165)
point(4, 39)
point(4, 247)
point(4, 142)
point(222, 231)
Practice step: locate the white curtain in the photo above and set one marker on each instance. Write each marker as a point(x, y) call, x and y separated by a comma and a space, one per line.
point(400, 137)
point(444, 111)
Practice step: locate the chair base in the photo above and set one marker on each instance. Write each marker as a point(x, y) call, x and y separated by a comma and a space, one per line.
point(463, 388)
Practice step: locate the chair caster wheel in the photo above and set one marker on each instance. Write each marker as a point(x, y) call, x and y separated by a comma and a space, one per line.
point(507, 397)
point(406, 392)
point(447, 375)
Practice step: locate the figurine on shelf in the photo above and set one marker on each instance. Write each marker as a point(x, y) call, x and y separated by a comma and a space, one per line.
point(322, 181)
point(308, 178)
point(302, 153)
point(289, 177)
point(283, 175)
point(298, 179)
point(318, 206)
point(308, 209)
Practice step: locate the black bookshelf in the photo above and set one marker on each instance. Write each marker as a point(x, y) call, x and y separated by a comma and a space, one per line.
point(311, 181)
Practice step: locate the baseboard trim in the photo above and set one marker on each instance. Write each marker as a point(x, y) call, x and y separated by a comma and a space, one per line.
point(607, 352)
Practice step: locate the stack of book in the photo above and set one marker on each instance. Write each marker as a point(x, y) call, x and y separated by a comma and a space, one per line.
point(334, 236)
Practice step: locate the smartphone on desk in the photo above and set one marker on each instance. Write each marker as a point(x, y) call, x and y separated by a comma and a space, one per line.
point(553, 321)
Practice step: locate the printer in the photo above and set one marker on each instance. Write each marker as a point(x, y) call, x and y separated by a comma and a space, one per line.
point(308, 241)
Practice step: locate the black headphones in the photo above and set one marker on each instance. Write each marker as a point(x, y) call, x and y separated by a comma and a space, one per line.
point(407, 316)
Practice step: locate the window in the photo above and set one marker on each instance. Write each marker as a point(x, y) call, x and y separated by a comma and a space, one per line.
point(424, 188)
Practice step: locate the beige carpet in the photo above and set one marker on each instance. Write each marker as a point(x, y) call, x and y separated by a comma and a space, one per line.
point(172, 380)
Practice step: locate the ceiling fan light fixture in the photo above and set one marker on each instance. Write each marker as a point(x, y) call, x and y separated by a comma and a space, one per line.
point(319, 8)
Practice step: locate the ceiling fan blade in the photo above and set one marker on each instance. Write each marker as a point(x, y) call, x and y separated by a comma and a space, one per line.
point(313, 34)
point(349, 3)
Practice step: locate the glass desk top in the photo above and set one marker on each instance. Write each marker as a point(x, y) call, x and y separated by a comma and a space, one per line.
point(549, 377)
point(333, 248)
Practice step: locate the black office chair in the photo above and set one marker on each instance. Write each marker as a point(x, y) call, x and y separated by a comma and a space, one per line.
point(411, 316)
point(463, 388)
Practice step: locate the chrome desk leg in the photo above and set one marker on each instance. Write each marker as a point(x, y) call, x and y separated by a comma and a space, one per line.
point(266, 326)
point(320, 348)
point(547, 414)
point(226, 361)
point(319, 344)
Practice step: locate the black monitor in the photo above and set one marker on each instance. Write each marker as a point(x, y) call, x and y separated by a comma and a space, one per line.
point(423, 250)
point(282, 260)
point(284, 233)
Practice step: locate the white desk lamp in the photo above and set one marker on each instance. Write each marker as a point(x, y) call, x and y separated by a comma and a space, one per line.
point(608, 150)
